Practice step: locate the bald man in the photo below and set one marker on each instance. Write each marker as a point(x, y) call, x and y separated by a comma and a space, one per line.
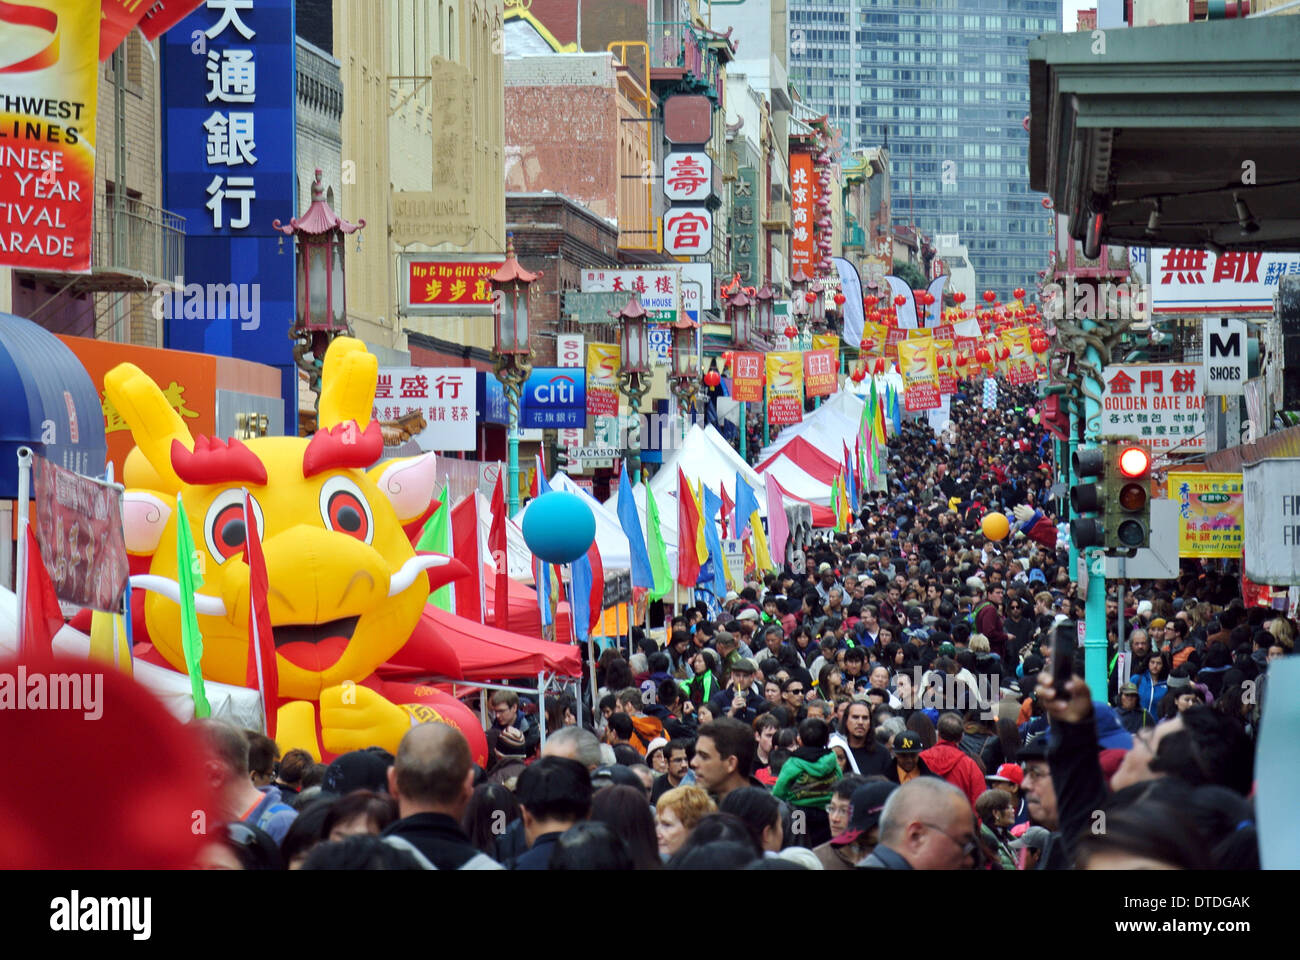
point(926, 825)
point(432, 779)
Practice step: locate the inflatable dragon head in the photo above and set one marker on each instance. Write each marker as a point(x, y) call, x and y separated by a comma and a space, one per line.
point(346, 588)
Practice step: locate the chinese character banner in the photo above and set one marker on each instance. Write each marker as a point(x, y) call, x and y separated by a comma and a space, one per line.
point(1194, 281)
point(821, 372)
point(439, 282)
point(79, 529)
point(1211, 513)
point(784, 387)
point(917, 363)
point(747, 377)
point(603, 361)
point(446, 398)
point(660, 288)
point(47, 133)
point(801, 212)
point(1162, 404)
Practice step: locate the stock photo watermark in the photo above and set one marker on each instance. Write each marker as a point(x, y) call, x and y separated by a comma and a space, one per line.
point(36, 690)
point(212, 301)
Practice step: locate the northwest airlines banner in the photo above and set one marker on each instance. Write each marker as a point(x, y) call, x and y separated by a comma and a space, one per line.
point(917, 364)
point(603, 361)
point(784, 387)
point(49, 58)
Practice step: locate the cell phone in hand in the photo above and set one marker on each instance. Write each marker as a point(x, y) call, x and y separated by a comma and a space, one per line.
point(1064, 640)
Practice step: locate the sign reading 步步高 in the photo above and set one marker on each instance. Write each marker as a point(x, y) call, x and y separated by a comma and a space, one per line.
point(446, 397)
point(50, 55)
point(79, 529)
point(1161, 404)
point(1272, 520)
point(1211, 519)
point(1223, 353)
point(446, 283)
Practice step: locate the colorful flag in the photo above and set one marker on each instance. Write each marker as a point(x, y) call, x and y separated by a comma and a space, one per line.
point(261, 673)
point(471, 598)
point(108, 640)
point(436, 538)
point(500, 555)
point(42, 617)
point(189, 578)
point(777, 528)
point(746, 505)
point(835, 499)
point(543, 573)
point(727, 507)
point(762, 555)
point(663, 581)
point(721, 572)
point(586, 599)
point(630, 521)
point(690, 534)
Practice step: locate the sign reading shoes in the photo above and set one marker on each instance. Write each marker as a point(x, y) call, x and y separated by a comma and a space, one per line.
point(1223, 347)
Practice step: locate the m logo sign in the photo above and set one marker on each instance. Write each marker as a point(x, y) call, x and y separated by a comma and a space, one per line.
point(1224, 350)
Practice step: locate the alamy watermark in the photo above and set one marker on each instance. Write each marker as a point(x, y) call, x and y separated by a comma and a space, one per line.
point(1103, 301)
point(213, 301)
point(53, 691)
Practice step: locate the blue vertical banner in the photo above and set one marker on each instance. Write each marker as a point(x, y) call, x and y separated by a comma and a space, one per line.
point(229, 116)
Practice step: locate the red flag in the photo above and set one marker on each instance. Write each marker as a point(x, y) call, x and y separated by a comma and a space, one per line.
point(464, 546)
point(164, 15)
point(497, 544)
point(688, 525)
point(42, 617)
point(261, 672)
point(727, 506)
point(597, 598)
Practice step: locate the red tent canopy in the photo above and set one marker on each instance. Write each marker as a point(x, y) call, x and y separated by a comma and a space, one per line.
point(484, 652)
point(808, 458)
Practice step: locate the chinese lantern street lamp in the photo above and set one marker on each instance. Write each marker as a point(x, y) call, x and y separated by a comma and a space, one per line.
point(512, 356)
point(322, 306)
point(817, 305)
point(764, 311)
point(740, 307)
point(634, 375)
point(686, 367)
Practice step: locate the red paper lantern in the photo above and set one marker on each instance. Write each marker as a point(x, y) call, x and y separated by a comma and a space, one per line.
point(791, 332)
point(839, 299)
point(880, 364)
point(810, 298)
point(900, 300)
point(1019, 293)
point(983, 355)
point(858, 375)
point(989, 296)
point(1004, 353)
point(959, 298)
point(961, 360)
point(870, 301)
point(1039, 344)
point(713, 378)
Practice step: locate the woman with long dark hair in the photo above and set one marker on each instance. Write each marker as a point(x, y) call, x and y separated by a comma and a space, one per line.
point(625, 811)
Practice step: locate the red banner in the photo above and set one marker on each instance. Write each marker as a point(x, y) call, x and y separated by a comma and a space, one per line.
point(450, 283)
point(820, 372)
point(165, 14)
point(118, 18)
point(747, 378)
point(802, 216)
point(79, 528)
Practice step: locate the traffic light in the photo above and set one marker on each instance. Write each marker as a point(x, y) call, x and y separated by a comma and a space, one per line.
point(1088, 469)
point(561, 458)
point(1128, 501)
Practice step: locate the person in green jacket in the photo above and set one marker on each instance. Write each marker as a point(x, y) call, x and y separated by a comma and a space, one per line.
point(807, 779)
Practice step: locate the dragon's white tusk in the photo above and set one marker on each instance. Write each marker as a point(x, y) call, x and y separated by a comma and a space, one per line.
point(169, 588)
point(411, 569)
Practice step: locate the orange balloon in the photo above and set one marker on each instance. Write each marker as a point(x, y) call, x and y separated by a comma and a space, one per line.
point(995, 526)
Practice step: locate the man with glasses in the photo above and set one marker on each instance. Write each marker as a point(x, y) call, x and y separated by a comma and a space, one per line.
point(793, 695)
point(926, 825)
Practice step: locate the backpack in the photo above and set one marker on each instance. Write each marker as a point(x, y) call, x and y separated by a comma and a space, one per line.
point(479, 861)
point(974, 614)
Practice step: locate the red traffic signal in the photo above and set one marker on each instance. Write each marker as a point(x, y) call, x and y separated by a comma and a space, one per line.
point(1134, 461)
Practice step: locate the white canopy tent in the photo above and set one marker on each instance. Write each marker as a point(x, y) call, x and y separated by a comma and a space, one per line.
point(667, 519)
point(798, 482)
point(615, 552)
point(705, 456)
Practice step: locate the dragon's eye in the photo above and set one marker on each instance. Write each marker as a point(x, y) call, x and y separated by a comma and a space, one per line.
point(345, 510)
point(223, 527)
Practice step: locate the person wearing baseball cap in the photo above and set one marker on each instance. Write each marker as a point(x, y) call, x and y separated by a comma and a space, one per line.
point(1132, 716)
point(1009, 778)
point(907, 765)
point(740, 700)
point(863, 833)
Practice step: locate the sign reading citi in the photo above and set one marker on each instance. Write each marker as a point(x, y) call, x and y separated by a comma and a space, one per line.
point(554, 397)
point(229, 109)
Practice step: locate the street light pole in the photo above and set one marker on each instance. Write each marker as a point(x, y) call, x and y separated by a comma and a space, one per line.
point(634, 374)
point(512, 356)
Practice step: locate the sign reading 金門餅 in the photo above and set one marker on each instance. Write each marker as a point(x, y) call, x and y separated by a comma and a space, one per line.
point(801, 212)
point(229, 107)
point(554, 397)
point(747, 377)
point(820, 372)
point(1162, 404)
point(1198, 281)
point(79, 530)
point(784, 387)
point(603, 361)
point(50, 52)
point(1211, 519)
point(445, 396)
point(918, 365)
point(448, 283)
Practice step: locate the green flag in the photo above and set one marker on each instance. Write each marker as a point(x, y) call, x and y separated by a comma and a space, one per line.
point(436, 538)
point(189, 564)
point(835, 501)
point(658, 549)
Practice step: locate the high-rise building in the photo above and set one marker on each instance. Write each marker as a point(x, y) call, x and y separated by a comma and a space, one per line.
point(944, 84)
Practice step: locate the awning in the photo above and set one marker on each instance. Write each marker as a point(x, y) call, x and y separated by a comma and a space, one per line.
point(50, 404)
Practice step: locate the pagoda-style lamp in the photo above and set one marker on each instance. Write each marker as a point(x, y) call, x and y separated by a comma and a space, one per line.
point(512, 355)
point(321, 305)
point(764, 311)
point(686, 366)
point(817, 307)
point(634, 375)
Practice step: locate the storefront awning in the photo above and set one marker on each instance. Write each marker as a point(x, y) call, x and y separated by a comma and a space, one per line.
point(47, 402)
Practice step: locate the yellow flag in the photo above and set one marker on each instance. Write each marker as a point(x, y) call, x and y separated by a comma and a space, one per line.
point(762, 558)
point(108, 630)
point(701, 545)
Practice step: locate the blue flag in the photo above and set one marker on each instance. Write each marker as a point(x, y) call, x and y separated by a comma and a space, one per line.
point(746, 504)
point(713, 504)
point(630, 520)
point(896, 413)
point(542, 569)
point(580, 609)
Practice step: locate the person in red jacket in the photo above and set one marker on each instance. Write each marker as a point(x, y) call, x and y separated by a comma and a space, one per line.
point(949, 761)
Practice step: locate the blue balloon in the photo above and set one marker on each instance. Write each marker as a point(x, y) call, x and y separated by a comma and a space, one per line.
point(559, 527)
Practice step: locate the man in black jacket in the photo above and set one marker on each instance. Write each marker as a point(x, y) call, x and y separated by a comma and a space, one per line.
point(432, 779)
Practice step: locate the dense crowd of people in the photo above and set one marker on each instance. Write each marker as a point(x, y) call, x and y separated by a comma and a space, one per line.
point(890, 705)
